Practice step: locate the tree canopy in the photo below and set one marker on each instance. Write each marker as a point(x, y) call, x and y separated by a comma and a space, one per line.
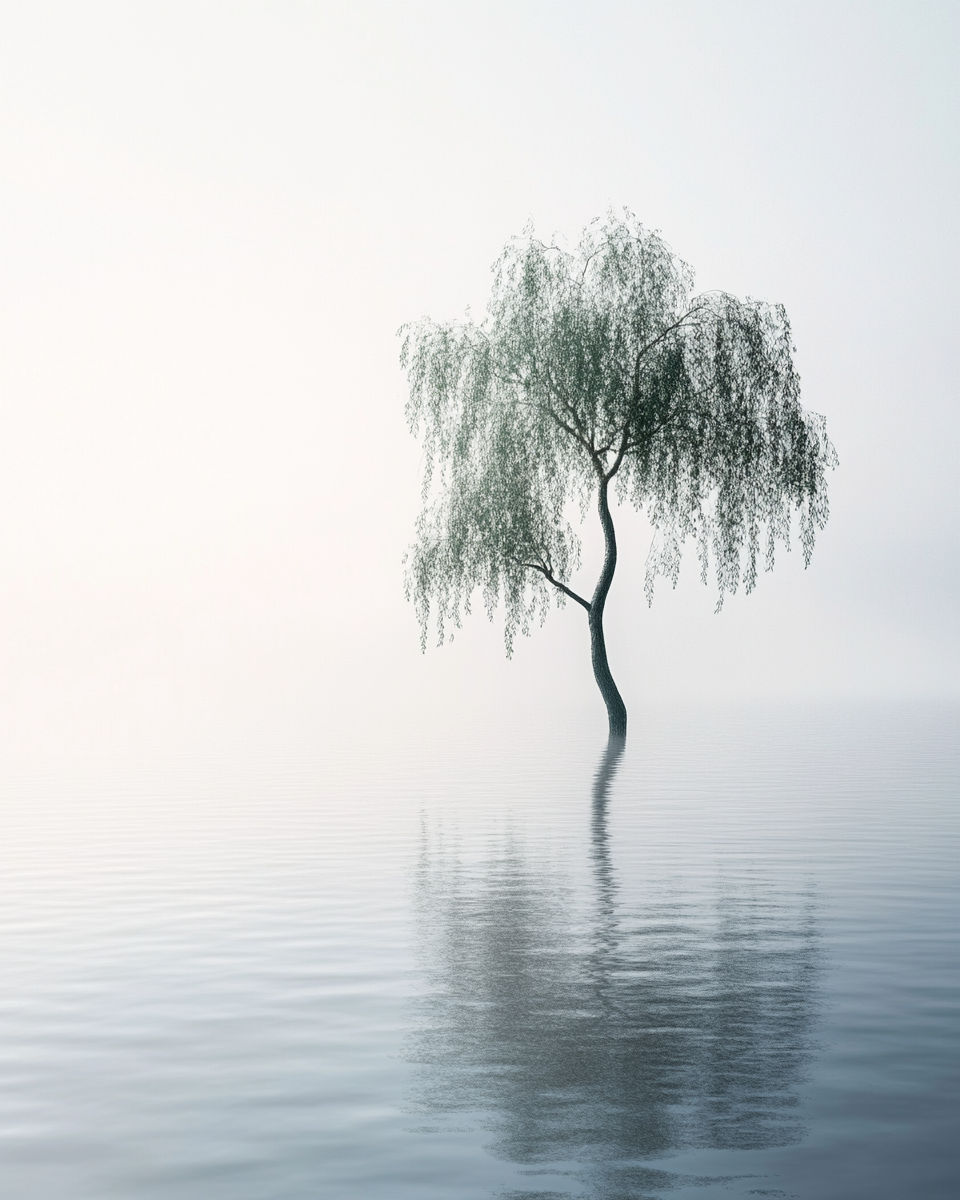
point(597, 369)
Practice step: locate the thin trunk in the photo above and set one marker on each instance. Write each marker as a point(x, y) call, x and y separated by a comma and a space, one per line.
point(616, 709)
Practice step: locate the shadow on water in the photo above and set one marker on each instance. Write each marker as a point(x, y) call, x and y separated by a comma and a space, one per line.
point(601, 1028)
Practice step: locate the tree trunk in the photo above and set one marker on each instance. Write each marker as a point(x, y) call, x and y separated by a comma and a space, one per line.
point(616, 709)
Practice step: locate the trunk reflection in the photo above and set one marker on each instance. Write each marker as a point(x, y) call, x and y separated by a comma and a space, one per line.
point(605, 1029)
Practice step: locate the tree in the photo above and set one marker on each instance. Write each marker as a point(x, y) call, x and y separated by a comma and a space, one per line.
point(593, 370)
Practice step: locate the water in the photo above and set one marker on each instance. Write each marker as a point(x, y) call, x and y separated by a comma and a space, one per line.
point(492, 966)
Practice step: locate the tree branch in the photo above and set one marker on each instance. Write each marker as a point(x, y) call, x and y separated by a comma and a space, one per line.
point(618, 461)
point(670, 329)
point(549, 576)
point(569, 429)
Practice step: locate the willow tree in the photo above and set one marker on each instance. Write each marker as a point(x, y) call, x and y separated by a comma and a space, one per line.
point(598, 375)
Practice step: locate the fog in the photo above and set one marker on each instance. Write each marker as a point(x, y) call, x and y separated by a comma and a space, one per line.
point(216, 217)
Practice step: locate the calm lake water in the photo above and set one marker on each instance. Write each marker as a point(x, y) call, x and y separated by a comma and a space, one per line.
point(493, 966)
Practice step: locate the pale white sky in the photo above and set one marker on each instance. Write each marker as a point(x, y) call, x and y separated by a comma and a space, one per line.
point(216, 215)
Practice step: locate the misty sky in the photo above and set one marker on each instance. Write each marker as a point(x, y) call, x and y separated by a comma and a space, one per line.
point(215, 217)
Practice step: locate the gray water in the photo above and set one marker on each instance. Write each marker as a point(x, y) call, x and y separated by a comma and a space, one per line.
point(492, 965)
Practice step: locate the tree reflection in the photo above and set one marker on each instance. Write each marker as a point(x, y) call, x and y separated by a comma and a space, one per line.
point(616, 1027)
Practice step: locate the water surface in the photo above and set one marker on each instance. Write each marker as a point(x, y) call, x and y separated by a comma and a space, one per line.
point(493, 965)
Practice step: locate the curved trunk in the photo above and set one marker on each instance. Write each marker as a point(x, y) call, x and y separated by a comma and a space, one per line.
point(616, 709)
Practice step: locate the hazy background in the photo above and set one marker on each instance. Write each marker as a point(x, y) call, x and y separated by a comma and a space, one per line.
point(216, 216)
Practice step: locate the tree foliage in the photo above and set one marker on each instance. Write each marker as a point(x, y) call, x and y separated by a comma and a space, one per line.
point(596, 369)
